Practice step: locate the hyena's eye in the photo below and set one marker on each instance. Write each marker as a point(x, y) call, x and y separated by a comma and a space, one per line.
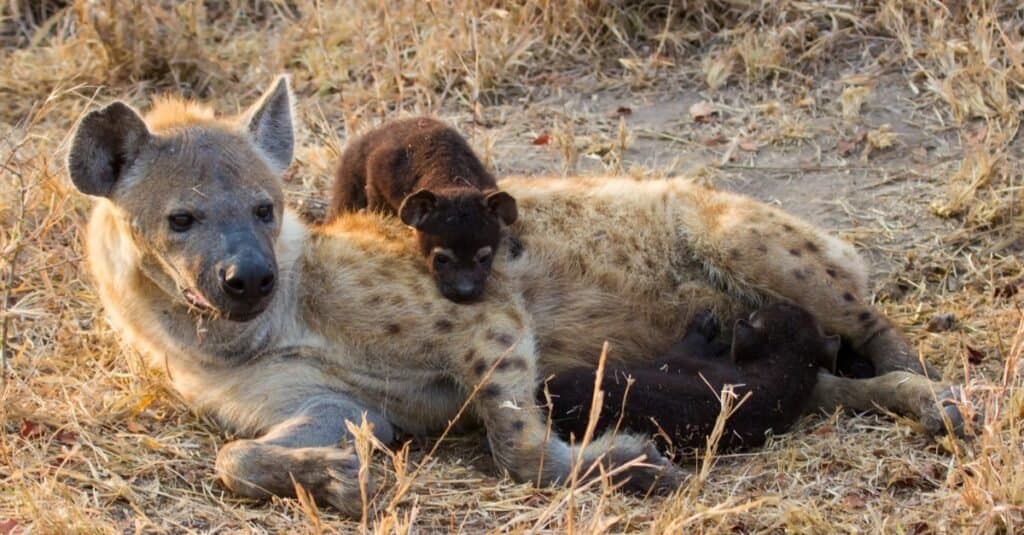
point(181, 221)
point(264, 212)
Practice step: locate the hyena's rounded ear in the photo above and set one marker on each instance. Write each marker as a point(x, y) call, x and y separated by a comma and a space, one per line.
point(269, 122)
point(503, 206)
point(104, 146)
point(747, 342)
point(416, 208)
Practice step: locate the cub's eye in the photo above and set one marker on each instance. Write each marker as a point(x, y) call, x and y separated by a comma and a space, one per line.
point(181, 221)
point(441, 260)
point(484, 256)
point(264, 212)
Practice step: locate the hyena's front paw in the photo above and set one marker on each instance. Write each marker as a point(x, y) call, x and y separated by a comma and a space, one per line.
point(655, 473)
point(330, 475)
point(945, 407)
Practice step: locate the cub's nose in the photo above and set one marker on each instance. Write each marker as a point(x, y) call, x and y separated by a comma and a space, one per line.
point(463, 291)
point(246, 279)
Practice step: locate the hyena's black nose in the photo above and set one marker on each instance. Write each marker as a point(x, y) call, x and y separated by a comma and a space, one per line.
point(247, 280)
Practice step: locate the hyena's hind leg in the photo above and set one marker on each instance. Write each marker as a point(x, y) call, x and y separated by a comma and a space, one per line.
point(901, 392)
point(755, 248)
point(779, 255)
point(303, 448)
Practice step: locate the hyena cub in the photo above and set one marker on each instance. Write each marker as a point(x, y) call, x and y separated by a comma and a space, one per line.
point(424, 171)
point(775, 356)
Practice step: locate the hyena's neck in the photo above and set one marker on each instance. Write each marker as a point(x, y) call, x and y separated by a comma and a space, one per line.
point(160, 325)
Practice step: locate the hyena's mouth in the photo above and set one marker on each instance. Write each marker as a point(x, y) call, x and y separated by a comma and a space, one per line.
point(196, 299)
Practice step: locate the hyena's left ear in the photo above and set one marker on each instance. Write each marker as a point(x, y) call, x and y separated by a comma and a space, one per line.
point(503, 206)
point(105, 145)
point(269, 122)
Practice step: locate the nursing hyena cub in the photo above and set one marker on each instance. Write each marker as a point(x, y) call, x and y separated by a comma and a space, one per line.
point(424, 171)
point(775, 356)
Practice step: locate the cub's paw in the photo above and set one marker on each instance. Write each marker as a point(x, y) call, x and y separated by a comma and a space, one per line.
point(654, 473)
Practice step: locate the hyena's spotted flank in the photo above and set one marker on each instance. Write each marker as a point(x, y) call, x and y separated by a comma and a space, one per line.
point(283, 333)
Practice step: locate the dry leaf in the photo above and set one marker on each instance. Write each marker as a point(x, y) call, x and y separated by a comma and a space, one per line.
point(30, 429)
point(621, 111)
point(846, 147)
point(135, 427)
point(67, 438)
point(941, 322)
point(975, 356)
point(542, 139)
point(824, 430)
point(853, 501)
point(749, 144)
point(715, 140)
point(702, 112)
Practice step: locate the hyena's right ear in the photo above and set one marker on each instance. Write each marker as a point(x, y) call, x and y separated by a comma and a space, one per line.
point(105, 145)
point(269, 122)
point(416, 208)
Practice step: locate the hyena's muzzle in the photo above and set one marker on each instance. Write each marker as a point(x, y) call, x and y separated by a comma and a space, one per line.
point(236, 276)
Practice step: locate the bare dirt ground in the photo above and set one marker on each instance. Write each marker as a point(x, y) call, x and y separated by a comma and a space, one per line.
point(894, 124)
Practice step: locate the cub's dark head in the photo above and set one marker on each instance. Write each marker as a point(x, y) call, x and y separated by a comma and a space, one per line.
point(784, 328)
point(459, 231)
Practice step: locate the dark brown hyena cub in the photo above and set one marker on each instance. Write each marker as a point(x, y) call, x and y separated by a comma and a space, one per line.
point(775, 355)
point(424, 171)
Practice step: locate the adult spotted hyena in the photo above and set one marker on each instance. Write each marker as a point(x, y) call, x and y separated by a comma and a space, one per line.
point(283, 333)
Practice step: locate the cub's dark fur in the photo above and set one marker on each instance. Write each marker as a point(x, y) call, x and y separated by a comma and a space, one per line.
point(775, 356)
point(424, 171)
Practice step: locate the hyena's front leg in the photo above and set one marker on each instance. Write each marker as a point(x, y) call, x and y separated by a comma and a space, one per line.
point(504, 367)
point(303, 448)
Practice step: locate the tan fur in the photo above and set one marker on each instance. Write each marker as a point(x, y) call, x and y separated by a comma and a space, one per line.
point(170, 112)
point(357, 322)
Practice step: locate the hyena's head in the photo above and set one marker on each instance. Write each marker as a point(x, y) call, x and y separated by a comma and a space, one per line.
point(199, 196)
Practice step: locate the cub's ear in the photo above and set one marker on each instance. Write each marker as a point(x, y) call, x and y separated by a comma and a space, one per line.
point(503, 206)
point(747, 342)
point(830, 353)
point(416, 208)
point(269, 122)
point(104, 146)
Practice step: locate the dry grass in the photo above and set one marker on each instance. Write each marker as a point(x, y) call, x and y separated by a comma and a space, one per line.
point(93, 442)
